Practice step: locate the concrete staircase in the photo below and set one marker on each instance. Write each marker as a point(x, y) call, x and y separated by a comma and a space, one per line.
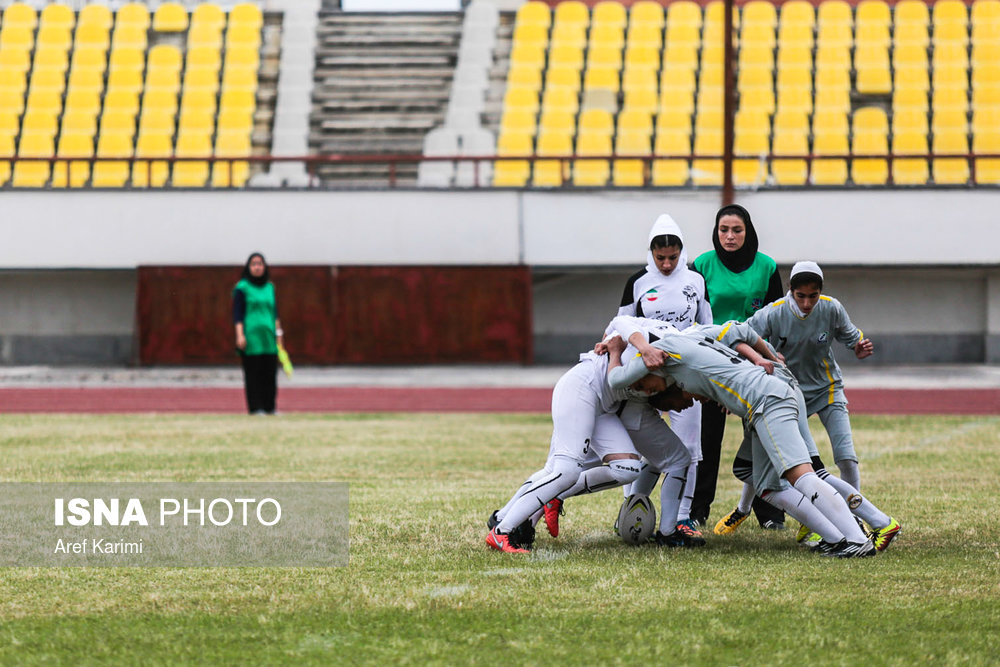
point(381, 83)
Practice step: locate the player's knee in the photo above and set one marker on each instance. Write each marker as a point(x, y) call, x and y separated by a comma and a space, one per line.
point(742, 469)
point(624, 471)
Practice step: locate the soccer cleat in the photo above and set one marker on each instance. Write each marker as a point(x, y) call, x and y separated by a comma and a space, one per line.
point(677, 539)
point(501, 542)
point(553, 509)
point(729, 523)
point(523, 536)
point(771, 524)
point(884, 536)
point(845, 549)
point(689, 529)
point(492, 522)
point(802, 534)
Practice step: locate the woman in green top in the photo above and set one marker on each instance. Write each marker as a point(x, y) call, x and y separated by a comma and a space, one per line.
point(738, 281)
point(258, 334)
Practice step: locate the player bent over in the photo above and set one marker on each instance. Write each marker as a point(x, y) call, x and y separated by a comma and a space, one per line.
point(586, 424)
point(703, 366)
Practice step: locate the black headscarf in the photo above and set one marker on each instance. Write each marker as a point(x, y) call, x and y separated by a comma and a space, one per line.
point(740, 260)
point(264, 277)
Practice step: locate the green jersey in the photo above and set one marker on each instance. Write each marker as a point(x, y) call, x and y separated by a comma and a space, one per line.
point(259, 317)
point(735, 296)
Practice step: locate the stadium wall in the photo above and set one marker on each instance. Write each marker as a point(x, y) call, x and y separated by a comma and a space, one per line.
point(916, 268)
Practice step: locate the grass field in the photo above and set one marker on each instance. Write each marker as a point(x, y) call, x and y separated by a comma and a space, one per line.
point(422, 587)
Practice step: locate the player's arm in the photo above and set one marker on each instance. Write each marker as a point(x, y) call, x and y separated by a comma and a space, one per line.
point(850, 335)
point(633, 329)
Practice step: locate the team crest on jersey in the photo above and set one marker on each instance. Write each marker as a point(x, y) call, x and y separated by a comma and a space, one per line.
point(757, 304)
point(823, 337)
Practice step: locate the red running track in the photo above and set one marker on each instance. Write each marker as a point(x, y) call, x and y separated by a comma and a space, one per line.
point(421, 399)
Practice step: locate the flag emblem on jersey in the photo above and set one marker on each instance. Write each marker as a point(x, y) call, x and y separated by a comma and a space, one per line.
point(651, 295)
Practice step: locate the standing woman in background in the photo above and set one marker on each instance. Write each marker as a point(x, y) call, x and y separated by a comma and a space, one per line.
point(258, 334)
point(739, 281)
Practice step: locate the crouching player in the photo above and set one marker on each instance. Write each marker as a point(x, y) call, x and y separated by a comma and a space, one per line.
point(587, 426)
point(702, 366)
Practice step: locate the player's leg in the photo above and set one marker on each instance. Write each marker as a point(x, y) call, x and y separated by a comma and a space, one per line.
point(687, 425)
point(612, 445)
point(743, 471)
point(884, 527)
point(713, 427)
point(837, 423)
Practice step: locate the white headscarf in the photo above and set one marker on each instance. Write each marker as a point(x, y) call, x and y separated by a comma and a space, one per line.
point(666, 225)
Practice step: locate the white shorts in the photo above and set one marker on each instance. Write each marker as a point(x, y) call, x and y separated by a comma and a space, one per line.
point(687, 425)
point(581, 428)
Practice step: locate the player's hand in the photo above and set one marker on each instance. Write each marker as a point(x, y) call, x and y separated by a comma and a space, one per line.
point(613, 345)
point(654, 357)
point(241, 342)
point(767, 365)
point(864, 348)
point(781, 357)
point(601, 348)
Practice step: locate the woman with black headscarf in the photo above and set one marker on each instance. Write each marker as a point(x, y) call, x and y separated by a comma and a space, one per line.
point(258, 334)
point(739, 281)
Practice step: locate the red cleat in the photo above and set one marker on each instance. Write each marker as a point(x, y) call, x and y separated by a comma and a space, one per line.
point(553, 509)
point(501, 542)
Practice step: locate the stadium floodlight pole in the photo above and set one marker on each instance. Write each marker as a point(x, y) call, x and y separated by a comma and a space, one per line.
point(728, 104)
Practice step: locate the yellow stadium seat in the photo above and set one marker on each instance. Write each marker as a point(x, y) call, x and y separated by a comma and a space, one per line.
point(873, 11)
point(794, 100)
point(601, 77)
point(199, 121)
point(872, 74)
point(33, 173)
point(911, 78)
point(910, 57)
point(592, 173)
point(246, 13)
point(635, 79)
point(950, 99)
point(191, 173)
point(568, 56)
point(950, 55)
point(572, 11)
point(596, 121)
point(609, 12)
point(791, 121)
point(832, 78)
point(163, 80)
point(827, 171)
point(226, 174)
point(757, 99)
point(208, 13)
point(635, 121)
point(646, 12)
point(909, 121)
point(529, 34)
point(912, 11)
point(232, 99)
point(83, 99)
point(755, 57)
point(245, 58)
point(40, 122)
point(789, 171)
point(985, 31)
point(572, 35)
point(152, 173)
point(511, 122)
point(20, 14)
point(987, 143)
point(985, 96)
point(48, 80)
point(557, 121)
point(562, 77)
point(206, 79)
point(131, 59)
point(211, 59)
point(673, 121)
point(85, 79)
point(985, 56)
point(552, 173)
point(534, 12)
point(520, 76)
point(560, 99)
point(605, 57)
point(204, 35)
point(642, 58)
point(985, 120)
point(520, 54)
point(116, 121)
point(165, 57)
point(56, 15)
point(236, 120)
point(909, 171)
point(51, 60)
point(947, 76)
point(89, 59)
point(44, 100)
point(947, 12)
point(239, 79)
point(750, 165)
point(79, 123)
point(684, 12)
point(54, 37)
point(949, 120)
point(125, 79)
point(913, 35)
point(759, 12)
point(170, 17)
point(680, 55)
point(133, 14)
point(757, 37)
point(631, 172)
point(76, 173)
point(754, 77)
point(644, 36)
point(714, 14)
point(122, 100)
point(242, 35)
point(7, 150)
point(798, 13)
point(512, 173)
point(707, 145)
point(156, 121)
point(159, 100)
point(97, 15)
point(15, 59)
point(129, 37)
point(18, 37)
point(950, 171)
point(112, 173)
point(91, 35)
point(869, 171)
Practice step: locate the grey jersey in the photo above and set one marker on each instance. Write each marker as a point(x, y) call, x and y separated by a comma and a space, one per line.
point(807, 344)
point(701, 365)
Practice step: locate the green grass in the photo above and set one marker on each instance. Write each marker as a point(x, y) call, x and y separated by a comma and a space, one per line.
point(422, 587)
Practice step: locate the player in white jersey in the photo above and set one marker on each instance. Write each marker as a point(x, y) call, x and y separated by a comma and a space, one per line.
point(668, 291)
point(802, 327)
point(591, 423)
point(700, 365)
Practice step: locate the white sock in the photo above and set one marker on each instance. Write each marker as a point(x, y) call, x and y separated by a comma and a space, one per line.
point(561, 473)
point(645, 482)
point(670, 498)
point(849, 473)
point(746, 498)
point(831, 505)
point(684, 511)
point(857, 503)
point(803, 511)
point(502, 512)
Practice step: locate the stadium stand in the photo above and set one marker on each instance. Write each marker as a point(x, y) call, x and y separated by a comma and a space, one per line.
point(831, 79)
point(181, 80)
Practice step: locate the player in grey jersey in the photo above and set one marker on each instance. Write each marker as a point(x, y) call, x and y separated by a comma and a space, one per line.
point(702, 366)
point(802, 328)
